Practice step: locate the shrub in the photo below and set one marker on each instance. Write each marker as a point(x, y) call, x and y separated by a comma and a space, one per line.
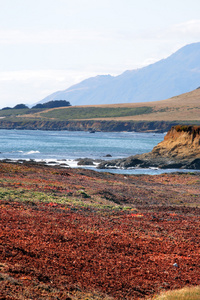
point(188, 128)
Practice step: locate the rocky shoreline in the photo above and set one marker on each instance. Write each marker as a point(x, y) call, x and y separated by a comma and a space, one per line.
point(162, 163)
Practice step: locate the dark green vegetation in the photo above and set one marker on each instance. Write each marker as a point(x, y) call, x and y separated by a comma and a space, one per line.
point(22, 109)
point(188, 128)
point(53, 104)
point(20, 106)
point(96, 112)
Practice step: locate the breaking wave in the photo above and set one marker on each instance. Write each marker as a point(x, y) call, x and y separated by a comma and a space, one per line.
point(31, 152)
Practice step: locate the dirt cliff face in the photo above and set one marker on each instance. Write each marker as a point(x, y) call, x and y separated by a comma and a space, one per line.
point(181, 142)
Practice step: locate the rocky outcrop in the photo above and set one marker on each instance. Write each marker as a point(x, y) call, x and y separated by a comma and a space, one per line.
point(180, 149)
point(85, 162)
point(181, 142)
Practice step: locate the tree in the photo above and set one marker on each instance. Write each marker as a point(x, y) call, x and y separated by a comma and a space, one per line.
point(53, 104)
point(6, 108)
point(20, 106)
point(39, 105)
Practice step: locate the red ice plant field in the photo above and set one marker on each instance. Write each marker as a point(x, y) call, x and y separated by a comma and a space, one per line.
point(78, 234)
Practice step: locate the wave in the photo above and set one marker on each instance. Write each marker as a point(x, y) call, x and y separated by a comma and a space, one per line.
point(31, 152)
point(26, 153)
point(19, 151)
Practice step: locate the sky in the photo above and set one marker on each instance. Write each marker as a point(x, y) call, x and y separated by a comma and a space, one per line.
point(49, 45)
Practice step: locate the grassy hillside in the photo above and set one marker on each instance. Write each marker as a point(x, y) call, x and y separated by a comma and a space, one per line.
point(71, 113)
point(185, 107)
point(17, 112)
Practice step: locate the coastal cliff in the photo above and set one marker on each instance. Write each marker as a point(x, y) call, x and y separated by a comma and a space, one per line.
point(181, 142)
point(179, 149)
point(87, 125)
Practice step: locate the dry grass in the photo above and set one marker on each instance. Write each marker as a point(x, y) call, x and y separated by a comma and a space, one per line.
point(182, 107)
point(187, 293)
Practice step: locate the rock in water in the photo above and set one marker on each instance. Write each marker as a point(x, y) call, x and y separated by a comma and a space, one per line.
point(85, 162)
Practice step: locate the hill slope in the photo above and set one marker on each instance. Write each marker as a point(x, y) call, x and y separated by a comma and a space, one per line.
point(150, 116)
point(177, 74)
point(184, 107)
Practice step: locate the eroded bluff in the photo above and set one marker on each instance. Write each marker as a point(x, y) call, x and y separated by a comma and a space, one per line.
point(179, 149)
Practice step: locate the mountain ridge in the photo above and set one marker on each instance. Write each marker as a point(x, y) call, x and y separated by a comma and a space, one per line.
point(179, 73)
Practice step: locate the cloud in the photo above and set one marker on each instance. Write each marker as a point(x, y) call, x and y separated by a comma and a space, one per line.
point(26, 75)
point(28, 86)
point(188, 30)
point(100, 52)
point(58, 76)
point(52, 36)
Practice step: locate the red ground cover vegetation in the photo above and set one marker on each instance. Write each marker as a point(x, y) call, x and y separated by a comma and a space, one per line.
point(81, 250)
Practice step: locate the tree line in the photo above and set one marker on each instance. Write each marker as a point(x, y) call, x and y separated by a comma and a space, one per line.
point(50, 104)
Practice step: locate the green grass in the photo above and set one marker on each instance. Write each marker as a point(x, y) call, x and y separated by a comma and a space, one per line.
point(13, 112)
point(18, 112)
point(70, 113)
point(23, 195)
point(79, 200)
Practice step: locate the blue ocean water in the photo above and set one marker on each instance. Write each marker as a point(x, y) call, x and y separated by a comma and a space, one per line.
point(59, 146)
point(35, 144)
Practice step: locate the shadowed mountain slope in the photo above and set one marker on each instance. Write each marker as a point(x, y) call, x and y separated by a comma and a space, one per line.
point(177, 74)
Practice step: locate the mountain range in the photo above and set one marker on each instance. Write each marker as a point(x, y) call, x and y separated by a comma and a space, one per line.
point(179, 73)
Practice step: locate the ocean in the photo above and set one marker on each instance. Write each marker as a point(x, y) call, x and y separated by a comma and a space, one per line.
point(65, 147)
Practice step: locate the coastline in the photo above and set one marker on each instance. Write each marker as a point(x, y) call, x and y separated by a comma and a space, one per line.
point(178, 151)
point(74, 164)
point(88, 125)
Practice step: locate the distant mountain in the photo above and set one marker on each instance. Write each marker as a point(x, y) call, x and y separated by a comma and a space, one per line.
point(177, 74)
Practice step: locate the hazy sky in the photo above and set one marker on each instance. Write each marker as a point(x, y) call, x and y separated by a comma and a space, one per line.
point(48, 45)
